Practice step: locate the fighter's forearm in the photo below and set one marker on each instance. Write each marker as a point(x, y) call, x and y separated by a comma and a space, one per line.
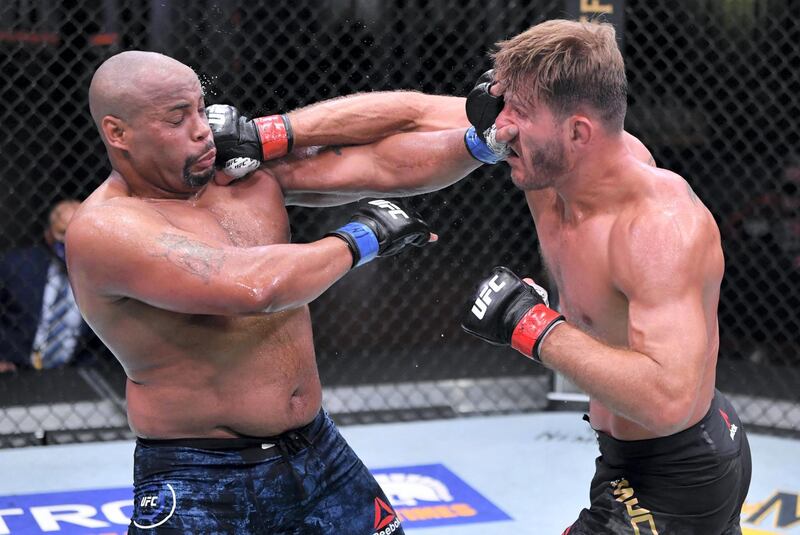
point(403, 164)
point(420, 163)
point(292, 275)
point(367, 117)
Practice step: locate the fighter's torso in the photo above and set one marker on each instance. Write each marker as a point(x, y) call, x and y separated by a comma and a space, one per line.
point(577, 258)
point(200, 375)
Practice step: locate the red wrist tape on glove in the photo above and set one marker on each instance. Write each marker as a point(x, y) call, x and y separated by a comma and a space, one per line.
point(274, 135)
point(535, 323)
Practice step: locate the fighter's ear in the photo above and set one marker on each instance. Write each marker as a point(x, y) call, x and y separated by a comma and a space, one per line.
point(115, 131)
point(580, 129)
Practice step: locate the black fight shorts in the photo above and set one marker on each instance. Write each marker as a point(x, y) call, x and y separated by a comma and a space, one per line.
point(691, 483)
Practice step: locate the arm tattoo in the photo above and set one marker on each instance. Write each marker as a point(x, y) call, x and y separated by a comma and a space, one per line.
point(191, 255)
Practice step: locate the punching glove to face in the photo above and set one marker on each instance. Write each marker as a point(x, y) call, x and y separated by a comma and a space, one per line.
point(506, 310)
point(382, 228)
point(482, 111)
point(242, 143)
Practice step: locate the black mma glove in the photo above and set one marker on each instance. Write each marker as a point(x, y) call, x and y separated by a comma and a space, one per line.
point(506, 310)
point(381, 228)
point(482, 111)
point(242, 143)
point(483, 107)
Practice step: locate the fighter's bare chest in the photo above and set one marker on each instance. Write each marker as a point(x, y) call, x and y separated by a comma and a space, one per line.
point(233, 221)
point(577, 260)
point(246, 226)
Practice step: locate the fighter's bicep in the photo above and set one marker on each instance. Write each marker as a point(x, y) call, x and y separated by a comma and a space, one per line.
point(655, 268)
point(670, 328)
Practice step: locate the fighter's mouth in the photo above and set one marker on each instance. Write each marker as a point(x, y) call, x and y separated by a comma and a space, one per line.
point(207, 158)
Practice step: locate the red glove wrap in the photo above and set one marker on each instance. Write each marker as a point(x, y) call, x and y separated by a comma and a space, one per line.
point(531, 328)
point(275, 135)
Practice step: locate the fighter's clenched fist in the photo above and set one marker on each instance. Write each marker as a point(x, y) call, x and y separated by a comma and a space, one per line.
point(507, 311)
point(243, 143)
point(382, 228)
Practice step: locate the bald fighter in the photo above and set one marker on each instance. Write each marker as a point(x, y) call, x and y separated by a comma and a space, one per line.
point(637, 261)
point(197, 291)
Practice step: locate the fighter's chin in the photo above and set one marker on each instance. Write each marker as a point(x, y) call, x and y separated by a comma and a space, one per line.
point(197, 180)
point(519, 179)
point(526, 183)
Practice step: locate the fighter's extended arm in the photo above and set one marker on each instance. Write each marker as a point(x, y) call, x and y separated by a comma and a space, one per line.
point(663, 269)
point(243, 143)
point(403, 164)
point(367, 117)
point(123, 252)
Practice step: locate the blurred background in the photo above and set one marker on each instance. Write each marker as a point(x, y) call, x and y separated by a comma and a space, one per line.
point(714, 93)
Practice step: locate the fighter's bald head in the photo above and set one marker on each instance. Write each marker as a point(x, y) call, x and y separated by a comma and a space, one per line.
point(127, 82)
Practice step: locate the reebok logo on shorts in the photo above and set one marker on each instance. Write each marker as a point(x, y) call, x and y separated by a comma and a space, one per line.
point(731, 427)
point(386, 521)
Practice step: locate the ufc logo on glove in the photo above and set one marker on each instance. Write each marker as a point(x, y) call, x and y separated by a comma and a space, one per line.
point(485, 299)
point(215, 118)
point(391, 207)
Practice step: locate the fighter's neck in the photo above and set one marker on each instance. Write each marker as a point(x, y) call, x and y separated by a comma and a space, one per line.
point(598, 184)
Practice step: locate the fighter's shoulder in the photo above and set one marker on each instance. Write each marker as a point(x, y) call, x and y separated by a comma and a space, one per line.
point(101, 223)
point(668, 228)
point(673, 194)
point(638, 149)
point(117, 210)
point(677, 217)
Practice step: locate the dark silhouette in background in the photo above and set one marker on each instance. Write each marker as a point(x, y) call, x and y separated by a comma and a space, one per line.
point(40, 326)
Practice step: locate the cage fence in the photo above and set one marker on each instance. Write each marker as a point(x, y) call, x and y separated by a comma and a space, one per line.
point(713, 94)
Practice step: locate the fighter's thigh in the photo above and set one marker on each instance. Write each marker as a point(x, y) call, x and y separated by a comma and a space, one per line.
point(659, 506)
point(612, 520)
point(354, 504)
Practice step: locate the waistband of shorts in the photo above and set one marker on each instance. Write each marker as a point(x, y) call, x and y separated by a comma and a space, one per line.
point(307, 432)
point(622, 451)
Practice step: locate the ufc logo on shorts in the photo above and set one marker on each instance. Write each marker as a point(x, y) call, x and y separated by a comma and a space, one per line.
point(393, 209)
point(152, 501)
point(485, 298)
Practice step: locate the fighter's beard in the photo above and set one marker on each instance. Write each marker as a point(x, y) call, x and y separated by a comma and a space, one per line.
point(549, 162)
point(196, 180)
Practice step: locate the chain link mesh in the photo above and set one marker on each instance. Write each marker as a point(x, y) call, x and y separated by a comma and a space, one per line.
point(713, 93)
